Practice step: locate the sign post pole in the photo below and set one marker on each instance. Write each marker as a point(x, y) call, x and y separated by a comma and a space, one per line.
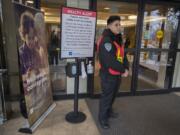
point(76, 116)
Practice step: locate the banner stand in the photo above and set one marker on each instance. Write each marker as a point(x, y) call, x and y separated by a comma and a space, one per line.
point(76, 116)
point(31, 129)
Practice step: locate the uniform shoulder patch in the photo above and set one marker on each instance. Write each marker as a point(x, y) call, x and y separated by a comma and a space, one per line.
point(108, 46)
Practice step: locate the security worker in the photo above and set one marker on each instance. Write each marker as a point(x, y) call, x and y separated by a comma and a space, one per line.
point(113, 64)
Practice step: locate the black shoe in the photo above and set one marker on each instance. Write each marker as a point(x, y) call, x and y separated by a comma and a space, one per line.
point(113, 115)
point(104, 124)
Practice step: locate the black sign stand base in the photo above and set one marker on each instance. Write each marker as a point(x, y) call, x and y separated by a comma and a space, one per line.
point(25, 130)
point(76, 116)
point(72, 117)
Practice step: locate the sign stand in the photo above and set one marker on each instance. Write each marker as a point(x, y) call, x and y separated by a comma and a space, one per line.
point(76, 116)
point(77, 41)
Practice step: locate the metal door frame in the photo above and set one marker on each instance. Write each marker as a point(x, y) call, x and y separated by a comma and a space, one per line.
point(137, 50)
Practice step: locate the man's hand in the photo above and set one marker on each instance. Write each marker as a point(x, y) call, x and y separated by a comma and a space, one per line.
point(126, 73)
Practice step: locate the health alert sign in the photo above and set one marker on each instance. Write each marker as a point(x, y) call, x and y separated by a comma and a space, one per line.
point(77, 33)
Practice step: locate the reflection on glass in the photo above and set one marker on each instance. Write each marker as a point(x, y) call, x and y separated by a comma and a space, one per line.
point(58, 78)
point(126, 81)
point(97, 82)
point(160, 23)
point(176, 77)
point(155, 69)
point(57, 66)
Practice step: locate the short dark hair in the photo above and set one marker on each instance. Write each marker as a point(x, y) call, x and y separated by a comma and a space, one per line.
point(113, 18)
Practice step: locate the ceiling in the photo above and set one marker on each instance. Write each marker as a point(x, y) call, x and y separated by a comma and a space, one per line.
point(52, 9)
point(53, 3)
point(105, 8)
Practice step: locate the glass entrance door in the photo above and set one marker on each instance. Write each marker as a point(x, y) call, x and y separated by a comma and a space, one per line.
point(154, 61)
point(157, 52)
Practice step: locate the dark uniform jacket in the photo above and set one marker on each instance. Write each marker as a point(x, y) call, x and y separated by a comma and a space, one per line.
point(107, 53)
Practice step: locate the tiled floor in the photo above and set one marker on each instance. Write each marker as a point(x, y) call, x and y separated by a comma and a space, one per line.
point(55, 123)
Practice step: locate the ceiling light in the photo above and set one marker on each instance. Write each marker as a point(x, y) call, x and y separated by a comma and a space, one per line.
point(43, 10)
point(52, 19)
point(123, 17)
point(132, 17)
point(101, 22)
point(48, 13)
point(106, 8)
point(30, 1)
point(154, 18)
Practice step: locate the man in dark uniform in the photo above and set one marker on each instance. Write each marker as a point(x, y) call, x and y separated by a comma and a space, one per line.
point(113, 65)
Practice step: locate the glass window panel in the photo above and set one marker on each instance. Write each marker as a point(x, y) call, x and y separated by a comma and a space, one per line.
point(57, 66)
point(176, 77)
point(160, 24)
point(128, 14)
point(125, 85)
point(155, 69)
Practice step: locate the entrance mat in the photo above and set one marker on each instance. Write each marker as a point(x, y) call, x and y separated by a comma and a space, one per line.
point(142, 115)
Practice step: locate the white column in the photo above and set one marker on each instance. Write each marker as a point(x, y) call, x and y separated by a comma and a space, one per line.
point(176, 77)
point(162, 69)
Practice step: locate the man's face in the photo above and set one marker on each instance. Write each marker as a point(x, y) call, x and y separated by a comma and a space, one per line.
point(30, 39)
point(115, 27)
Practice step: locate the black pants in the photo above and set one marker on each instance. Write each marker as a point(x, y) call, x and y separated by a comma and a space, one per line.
point(53, 54)
point(110, 86)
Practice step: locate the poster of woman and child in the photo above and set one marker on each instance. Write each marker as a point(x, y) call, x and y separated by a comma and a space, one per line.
point(33, 59)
